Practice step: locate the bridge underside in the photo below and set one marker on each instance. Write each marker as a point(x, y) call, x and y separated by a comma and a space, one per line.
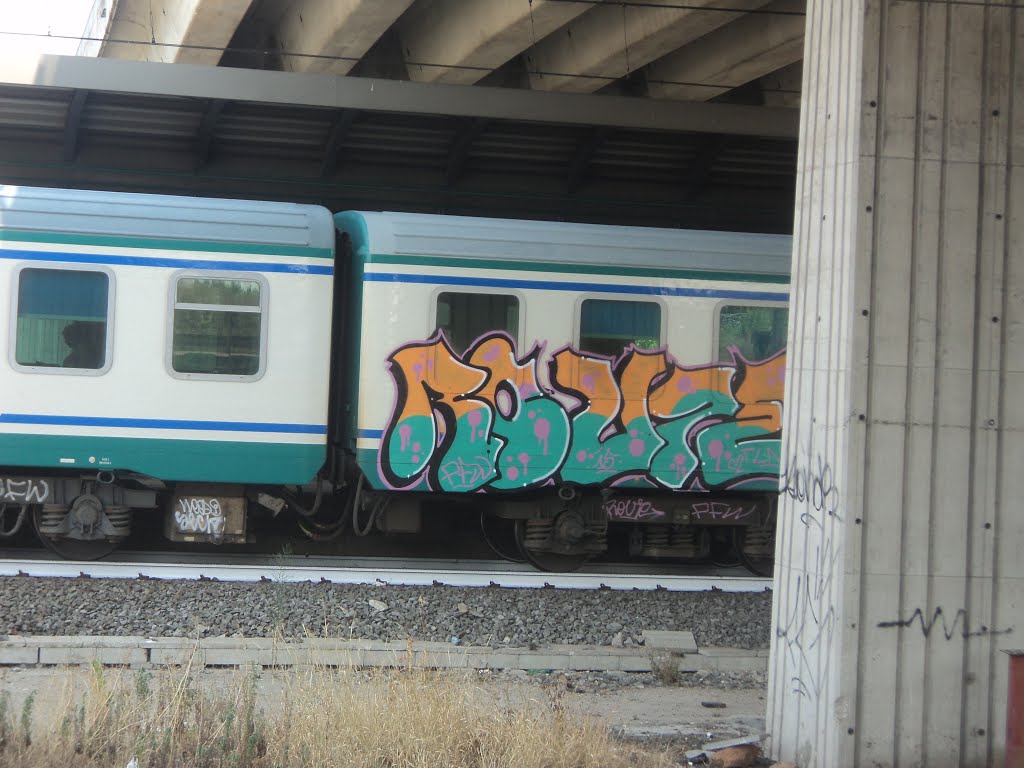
point(362, 143)
point(667, 114)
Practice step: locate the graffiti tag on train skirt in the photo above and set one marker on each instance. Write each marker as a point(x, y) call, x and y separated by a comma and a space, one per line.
point(23, 490)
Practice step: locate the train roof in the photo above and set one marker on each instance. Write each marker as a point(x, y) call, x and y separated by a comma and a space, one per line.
point(164, 217)
point(429, 235)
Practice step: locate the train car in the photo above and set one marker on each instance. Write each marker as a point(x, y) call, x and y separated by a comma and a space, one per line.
point(187, 364)
point(566, 377)
point(163, 353)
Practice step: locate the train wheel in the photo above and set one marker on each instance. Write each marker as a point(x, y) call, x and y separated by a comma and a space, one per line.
point(552, 562)
point(755, 548)
point(500, 535)
point(70, 549)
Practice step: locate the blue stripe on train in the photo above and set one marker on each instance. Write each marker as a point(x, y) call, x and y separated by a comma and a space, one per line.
point(545, 285)
point(212, 426)
point(146, 261)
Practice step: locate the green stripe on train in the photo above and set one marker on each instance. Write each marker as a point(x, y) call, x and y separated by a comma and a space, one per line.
point(114, 241)
point(578, 269)
point(193, 460)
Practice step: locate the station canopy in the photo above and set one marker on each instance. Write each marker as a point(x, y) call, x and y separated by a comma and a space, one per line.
point(662, 113)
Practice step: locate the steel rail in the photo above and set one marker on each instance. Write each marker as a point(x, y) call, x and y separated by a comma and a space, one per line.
point(283, 573)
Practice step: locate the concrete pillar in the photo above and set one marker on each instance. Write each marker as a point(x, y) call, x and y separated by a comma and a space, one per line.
point(899, 567)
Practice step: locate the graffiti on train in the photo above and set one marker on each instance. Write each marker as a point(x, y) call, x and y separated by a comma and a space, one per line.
point(199, 515)
point(23, 490)
point(633, 509)
point(486, 420)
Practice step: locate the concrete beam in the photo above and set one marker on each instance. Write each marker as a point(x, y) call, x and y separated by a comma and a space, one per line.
point(610, 41)
point(783, 87)
point(743, 50)
point(468, 133)
point(73, 125)
point(160, 28)
point(97, 28)
point(479, 36)
point(334, 34)
point(241, 85)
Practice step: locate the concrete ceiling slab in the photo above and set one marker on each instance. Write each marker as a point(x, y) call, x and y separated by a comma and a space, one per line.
point(612, 40)
point(172, 31)
point(743, 50)
point(332, 35)
point(462, 41)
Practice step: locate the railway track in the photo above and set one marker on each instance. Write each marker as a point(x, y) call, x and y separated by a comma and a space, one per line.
point(383, 571)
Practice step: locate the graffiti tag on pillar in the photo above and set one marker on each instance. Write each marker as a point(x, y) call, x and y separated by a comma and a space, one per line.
point(960, 625)
point(485, 420)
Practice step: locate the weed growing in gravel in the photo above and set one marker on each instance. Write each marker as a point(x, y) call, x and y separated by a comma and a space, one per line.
point(665, 667)
point(320, 717)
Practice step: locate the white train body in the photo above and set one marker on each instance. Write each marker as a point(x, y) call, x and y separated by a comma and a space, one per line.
point(133, 411)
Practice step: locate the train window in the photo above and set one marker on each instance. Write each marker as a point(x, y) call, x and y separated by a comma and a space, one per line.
point(758, 332)
point(608, 326)
point(465, 317)
point(218, 326)
point(62, 319)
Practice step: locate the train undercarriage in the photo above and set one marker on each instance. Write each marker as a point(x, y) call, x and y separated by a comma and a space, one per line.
point(86, 518)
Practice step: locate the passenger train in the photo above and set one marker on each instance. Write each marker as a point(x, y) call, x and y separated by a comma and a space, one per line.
point(188, 363)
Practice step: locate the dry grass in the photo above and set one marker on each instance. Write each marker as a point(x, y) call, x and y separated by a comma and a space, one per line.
point(402, 718)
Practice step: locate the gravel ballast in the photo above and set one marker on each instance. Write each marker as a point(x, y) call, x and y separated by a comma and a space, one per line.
point(467, 616)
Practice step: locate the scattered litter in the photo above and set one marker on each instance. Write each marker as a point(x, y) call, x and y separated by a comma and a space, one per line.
point(737, 742)
point(735, 757)
point(378, 605)
point(713, 704)
point(455, 640)
point(728, 753)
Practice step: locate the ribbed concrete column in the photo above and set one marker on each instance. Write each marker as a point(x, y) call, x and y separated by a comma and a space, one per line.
point(900, 565)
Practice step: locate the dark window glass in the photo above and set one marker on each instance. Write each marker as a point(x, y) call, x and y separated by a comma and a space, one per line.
point(607, 327)
point(757, 332)
point(242, 293)
point(217, 326)
point(62, 318)
point(465, 317)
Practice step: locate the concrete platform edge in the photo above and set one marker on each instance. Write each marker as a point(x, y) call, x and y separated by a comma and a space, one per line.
point(19, 650)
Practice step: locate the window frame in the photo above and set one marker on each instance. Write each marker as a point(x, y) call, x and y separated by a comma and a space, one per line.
point(519, 296)
point(172, 306)
point(577, 318)
point(722, 304)
point(108, 339)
